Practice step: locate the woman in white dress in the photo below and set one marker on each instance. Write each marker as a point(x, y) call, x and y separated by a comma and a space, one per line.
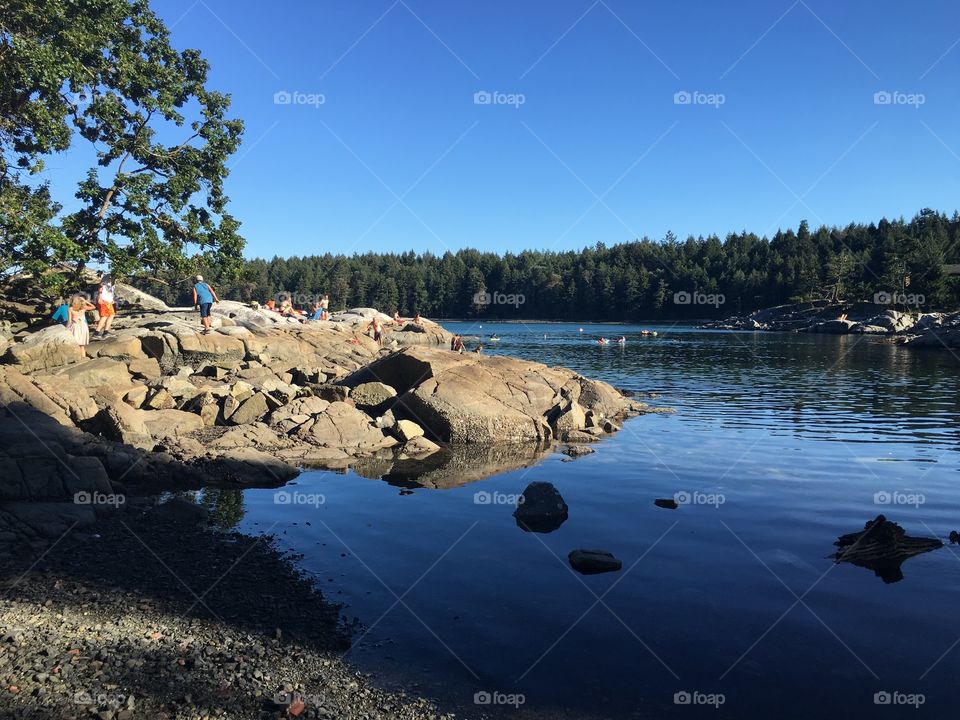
point(77, 322)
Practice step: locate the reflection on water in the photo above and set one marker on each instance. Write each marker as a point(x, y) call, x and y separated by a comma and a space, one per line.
point(780, 445)
point(454, 466)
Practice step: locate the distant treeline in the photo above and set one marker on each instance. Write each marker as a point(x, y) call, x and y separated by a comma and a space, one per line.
point(898, 261)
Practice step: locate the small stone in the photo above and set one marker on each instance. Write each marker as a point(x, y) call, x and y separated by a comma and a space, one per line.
point(666, 503)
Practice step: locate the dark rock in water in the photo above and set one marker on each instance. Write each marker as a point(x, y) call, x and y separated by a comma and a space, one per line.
point(576, 451)
point(540, 508)
point(668, 503)
point(882, 546)
point(954, 537)
point(592, 562)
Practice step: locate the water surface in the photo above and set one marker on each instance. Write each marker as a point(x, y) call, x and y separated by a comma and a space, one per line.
point(802, 437)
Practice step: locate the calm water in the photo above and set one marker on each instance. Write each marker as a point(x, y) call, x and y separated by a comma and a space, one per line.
point(796, 434)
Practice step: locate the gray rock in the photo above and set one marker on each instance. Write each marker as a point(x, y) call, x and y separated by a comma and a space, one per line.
point(373, 396)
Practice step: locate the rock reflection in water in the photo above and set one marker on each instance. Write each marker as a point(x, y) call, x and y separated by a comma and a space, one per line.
point(882, 546)
point(454, 466)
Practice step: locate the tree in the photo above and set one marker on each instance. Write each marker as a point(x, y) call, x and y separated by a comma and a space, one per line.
point(104, 72)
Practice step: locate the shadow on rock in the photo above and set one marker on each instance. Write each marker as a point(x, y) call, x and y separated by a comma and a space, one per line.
point(882, 546)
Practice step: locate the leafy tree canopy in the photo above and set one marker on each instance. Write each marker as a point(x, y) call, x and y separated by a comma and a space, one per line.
point(103, 72)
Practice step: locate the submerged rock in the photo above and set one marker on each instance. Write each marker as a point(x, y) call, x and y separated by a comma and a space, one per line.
point(541, 508)
point(666, 503)
point(592, 562)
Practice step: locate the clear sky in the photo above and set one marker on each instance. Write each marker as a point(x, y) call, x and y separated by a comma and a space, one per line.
point(587, 140)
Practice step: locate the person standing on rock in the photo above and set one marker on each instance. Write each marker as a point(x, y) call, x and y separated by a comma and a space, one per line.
point(324, 307)
point(105, 306)
point(377, 330)
point(204, 296)
point(77, 322)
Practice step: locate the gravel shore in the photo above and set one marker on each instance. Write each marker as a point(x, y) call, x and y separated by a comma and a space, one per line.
point(150, 614)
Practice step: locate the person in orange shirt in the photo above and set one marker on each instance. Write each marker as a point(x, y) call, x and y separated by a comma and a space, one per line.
point(105, 306)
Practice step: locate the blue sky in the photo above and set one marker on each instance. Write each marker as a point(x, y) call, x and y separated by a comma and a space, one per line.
point(586, 142)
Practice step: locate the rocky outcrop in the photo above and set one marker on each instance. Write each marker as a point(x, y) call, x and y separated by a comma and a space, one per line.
point(160, 404)
point(940, 332)
point(826, 317)
point(492, 399)
point(48, 348)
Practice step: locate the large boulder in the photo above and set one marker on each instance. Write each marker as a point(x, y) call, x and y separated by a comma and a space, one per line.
point(833, 327)
point(124, 424)
point(123, 347)
point(129, 298)
point(166, 423)
point(343, 426)
point(250, 410)
point(373, 396)
point(97, 372)
point(475, 398)
point(48, 348)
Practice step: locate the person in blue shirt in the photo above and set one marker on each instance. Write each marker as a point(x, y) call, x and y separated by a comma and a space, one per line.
point(62, 314)
point(204, 296)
